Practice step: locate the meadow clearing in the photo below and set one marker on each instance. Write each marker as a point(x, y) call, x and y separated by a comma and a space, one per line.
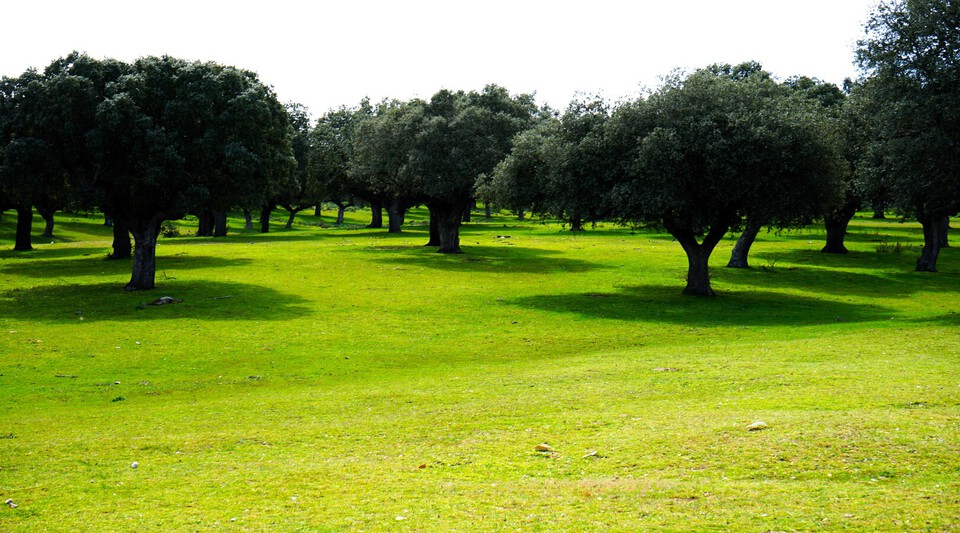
point(347, 379)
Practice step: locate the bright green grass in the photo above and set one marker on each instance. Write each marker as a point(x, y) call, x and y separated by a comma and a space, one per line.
point(324, 379)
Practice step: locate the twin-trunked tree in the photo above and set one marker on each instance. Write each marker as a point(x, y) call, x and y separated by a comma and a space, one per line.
point(699, 157)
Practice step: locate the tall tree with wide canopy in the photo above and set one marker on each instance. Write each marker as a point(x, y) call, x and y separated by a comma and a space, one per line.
point(711, 149)
point(463, 135)
point(911, 55)
point(174, 135)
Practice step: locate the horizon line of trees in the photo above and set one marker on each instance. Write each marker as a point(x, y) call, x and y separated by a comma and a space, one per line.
point(724, 148)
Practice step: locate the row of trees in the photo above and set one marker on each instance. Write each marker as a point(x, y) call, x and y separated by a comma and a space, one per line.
point(726, 148)
point(143, 143)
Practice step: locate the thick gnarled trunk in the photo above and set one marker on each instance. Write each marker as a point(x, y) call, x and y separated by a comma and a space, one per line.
point(576, 224)
point(144, 254)
point(698, 256)
point(741, 250)
point(205, 223)
point(48, 220)
point(395, 215)
point(23, 241)
point(219, 224)
point(932, 228)
point(265, 211)
point(434, 239)
point(376, 215)
point(836, 225)
point(122, 249)
point(449, 217)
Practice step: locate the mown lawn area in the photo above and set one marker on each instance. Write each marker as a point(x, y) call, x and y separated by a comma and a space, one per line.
point(346, 379)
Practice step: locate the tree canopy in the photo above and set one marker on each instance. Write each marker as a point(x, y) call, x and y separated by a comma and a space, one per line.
point(911, 56)
point(712, 149)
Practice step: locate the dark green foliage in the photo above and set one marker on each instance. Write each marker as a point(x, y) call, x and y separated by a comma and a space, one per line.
point(331, 147)
point(714, 148)
point(562, 168)
point(463, 136)
point(912, 95)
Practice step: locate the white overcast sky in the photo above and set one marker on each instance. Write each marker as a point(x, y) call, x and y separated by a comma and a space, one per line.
point(328, 54)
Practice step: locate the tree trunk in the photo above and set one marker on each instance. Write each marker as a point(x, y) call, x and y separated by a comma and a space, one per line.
point(144, 255)
point(468, 212)
point(576, 224)
point(878, 208)
point(24, 228)
point(219, 224)
point(698, 273)
point(434, 239)
point(205, 223)
point(520, 214)
point(395, 213)
point(47, 215)
point(121, 241)
point(248, 217)
point(317, 210)
point(265, 218)
point(289, 224)
point(698, 256)
point(738, 258)
point(341, 209)
point(449, 217)
point(487, 212)
point(932, 226)
point(376, 217)
point(944, 232)
point(836, 225)
point(107, 220)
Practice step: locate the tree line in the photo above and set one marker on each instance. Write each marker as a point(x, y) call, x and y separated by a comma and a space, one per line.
point(724, 148)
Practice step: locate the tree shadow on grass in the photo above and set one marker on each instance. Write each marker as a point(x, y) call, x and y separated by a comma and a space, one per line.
point(860, 274)
point(879, 280)
point(503, 258)
point(53, 252)
point(99, 265)
point(733, 308)
point(202, 300)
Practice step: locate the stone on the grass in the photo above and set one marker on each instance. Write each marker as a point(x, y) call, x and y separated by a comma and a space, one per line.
point(543, 448)
point(757, 426)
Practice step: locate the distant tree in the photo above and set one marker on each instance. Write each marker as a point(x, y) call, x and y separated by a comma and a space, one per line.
point(911, 56)
point(331, 146)
point(712, 149)
point(561, 168)
point(380, 157)
point(516, 183)
point(174, 135)
point(298, 198)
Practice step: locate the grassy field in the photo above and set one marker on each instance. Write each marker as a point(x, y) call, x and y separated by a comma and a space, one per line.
point(345, 379)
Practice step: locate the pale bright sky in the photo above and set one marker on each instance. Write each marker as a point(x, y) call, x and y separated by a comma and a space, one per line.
point(328, 54)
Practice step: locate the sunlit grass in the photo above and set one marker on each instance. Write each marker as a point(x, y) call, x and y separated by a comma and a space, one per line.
point(344, 379)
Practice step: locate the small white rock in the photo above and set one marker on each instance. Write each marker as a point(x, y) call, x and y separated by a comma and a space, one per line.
point(757, 426)
point(135, 464)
